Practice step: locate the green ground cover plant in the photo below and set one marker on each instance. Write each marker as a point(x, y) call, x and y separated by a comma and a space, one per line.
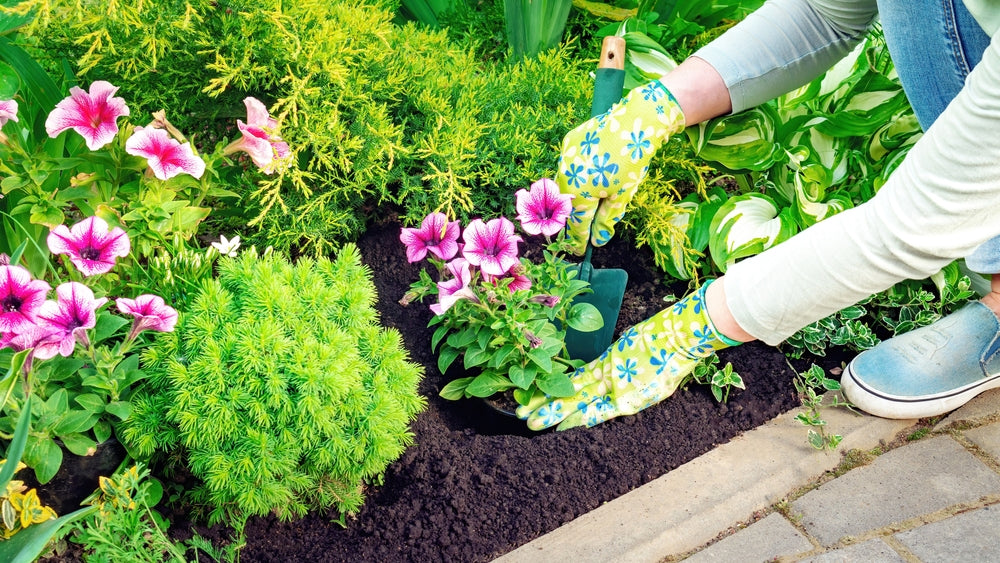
point(284, 363)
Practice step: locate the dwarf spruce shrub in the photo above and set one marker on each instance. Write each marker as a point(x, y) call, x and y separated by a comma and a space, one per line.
point(279, 388)
point(379, 114)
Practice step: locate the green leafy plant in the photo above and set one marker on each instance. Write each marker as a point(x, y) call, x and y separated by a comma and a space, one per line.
point(21, 508)
point(903, 307)
point(811, 384)
point(659, 32)
point(504, 315)
point(794, 161)
point(126, 528)
point(279, 389)
point(720, 381)
point(74, 361)
point(147, 179)
point(534, 25)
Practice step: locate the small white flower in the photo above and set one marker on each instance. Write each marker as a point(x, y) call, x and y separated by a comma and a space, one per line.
point(227, 247)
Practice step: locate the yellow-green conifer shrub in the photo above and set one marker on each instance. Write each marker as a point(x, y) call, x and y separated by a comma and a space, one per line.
point(279, 388)
point(379, 114)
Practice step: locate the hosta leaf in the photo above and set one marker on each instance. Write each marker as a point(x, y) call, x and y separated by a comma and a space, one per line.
point(746, 225)
point(744, 141)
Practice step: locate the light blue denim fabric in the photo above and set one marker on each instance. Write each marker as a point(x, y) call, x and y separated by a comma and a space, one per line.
point(952, 43)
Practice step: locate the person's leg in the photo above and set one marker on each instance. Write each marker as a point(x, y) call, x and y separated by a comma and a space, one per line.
point(934, 369)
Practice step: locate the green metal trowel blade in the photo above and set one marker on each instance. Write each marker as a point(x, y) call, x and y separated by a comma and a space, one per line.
point(609, 290)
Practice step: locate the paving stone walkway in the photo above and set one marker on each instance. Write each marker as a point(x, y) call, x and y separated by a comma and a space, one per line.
point(920, 494)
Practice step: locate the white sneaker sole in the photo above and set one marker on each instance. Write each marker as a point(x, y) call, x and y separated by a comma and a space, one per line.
point(881, 404)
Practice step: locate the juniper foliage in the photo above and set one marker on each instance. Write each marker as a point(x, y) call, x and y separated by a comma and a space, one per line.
point(279, 388)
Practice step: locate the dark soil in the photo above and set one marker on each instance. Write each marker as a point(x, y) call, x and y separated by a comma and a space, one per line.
point(476, 485)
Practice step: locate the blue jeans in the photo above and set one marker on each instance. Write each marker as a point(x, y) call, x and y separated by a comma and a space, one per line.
point(953, 43)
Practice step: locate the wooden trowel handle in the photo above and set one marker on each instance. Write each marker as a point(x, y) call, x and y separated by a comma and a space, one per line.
point(612, 53)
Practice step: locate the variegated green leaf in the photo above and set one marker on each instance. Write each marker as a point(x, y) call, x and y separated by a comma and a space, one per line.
point(744, 141)
point(746, 225)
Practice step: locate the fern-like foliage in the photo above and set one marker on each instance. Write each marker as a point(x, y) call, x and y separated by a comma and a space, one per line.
point(280, 388)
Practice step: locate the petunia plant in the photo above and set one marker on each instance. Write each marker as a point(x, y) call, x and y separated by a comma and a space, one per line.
point(81, 157)
point(76, 362)
point(504, 315)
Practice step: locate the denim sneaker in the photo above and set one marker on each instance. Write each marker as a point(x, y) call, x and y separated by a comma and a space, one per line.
point(928, 371)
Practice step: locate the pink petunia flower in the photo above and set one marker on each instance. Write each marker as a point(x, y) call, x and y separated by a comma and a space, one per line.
point(260, 139)
point(151, 312)
point(435, 234)
point(543, 210)
point(492, 246)
point(68, 319)
point(20, 299)
point(8, 111)
point(166, 156)
point(450, 291)
point(89, 245)
point(93, 115)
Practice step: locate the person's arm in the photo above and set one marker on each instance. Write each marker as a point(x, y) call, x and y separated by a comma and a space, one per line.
point(776, 49)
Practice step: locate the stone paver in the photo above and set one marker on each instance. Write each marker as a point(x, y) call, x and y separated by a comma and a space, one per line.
point(916, 479)
point(871, 551)
point(970, 536)
point(981, 407)
point(691, 505)
point(761, 541)
point(987, 438)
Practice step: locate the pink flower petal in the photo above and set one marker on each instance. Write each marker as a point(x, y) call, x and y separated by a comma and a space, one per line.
point(166, 156)
point(451, 290)
point(68, 319)
point(257, 115)
point(543, 210)
point(435, 235)
point(90, 245)
point(151, 312)
point(8, 111)
point(20, 298)
point(93, 115)
point(492, 246)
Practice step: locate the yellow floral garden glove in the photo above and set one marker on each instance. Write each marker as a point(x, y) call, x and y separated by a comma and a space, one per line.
point(643, 367)
point(604, 159)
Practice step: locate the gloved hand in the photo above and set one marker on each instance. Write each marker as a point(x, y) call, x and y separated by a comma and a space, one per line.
point(604, 159)
point(643, 367)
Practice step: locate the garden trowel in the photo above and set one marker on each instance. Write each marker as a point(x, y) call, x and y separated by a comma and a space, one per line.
point(608, 283)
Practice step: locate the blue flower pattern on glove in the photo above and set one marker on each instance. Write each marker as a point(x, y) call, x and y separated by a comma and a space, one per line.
point(628, 370)
point(602, 170)
point(590, 141)
point(638, 145)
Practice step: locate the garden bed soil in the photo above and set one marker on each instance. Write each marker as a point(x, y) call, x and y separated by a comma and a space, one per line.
point(476, 485)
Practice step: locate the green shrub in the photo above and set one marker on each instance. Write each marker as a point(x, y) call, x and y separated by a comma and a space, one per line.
point(279, 388)
point(377, 113)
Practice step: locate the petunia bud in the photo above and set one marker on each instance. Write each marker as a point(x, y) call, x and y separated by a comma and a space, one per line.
point(547, 300)
point(533, 340)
